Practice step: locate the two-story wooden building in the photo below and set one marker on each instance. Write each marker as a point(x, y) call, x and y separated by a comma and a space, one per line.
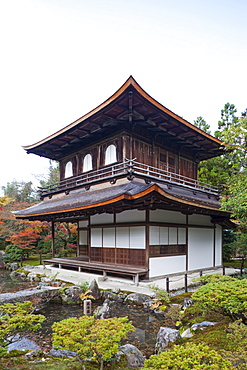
point(128, 177)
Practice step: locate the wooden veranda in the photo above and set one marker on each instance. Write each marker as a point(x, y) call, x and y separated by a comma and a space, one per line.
point(81, 265)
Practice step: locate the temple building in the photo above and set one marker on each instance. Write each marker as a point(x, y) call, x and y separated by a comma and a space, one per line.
point(128, 178)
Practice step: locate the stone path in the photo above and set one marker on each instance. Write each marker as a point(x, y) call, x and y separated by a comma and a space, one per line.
point(176, 282)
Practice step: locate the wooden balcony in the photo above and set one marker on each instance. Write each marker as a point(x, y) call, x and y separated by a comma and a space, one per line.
point(128, 169)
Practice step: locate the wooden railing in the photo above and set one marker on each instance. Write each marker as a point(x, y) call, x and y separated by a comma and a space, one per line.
point(130, 169)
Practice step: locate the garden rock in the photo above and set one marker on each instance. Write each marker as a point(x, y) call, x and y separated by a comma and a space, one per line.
point(137, 299)
point(187, 333)
point(2, 263)
point(71, 295)
point(62, 353)
point(106, 310)
point(148, 303)
point(164, 337)
point(202, 325)
point(110, 295)
point(116, 290)
point(187, 302)
point(94, 288)
point(133, 355)
point(12, 266)
point(33, 354)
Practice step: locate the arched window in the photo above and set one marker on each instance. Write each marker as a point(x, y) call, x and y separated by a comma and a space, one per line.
point(110, 154)
point(68, 170)
point(87, 163)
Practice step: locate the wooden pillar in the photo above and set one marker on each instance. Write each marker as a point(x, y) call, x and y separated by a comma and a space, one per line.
point(52, 239)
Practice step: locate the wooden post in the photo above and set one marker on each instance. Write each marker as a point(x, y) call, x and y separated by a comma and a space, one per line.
point(167, 284)
point(185, 283)
point(52, 239)
point(136, 279)
point(200, 273)
point(224, 270)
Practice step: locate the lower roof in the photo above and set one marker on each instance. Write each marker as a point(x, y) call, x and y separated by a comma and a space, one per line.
point(123, 195)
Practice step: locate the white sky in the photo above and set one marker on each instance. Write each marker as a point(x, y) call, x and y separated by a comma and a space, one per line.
point(62, 58)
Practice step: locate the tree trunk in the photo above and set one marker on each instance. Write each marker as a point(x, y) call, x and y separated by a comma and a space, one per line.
point(242, 266)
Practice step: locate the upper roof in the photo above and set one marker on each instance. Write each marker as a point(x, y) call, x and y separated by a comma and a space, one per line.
point(128, 107)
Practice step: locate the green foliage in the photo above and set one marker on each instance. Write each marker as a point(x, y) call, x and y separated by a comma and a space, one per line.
point(15, 319)
point(161, 294)
point(23, 271)
point(84, 286)
point(236, 201)
point(215, 171)
point(13, 254)
point(213, 278)
point(91, 338)
point(52, 177)
point(239, 246)
point(20, 191)
point(190, 356)
point(202, 124)
point(229, 237)
point(227, 297)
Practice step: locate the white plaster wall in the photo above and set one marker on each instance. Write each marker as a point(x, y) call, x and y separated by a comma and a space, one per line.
point(131, 216)
point(103, 218)
point(83, 223)
point(160, 215)
point(200, 248)
point(218, 245)
point(166, 265)
point(199, 220)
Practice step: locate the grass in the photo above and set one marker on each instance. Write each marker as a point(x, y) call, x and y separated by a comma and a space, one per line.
point(235, 263)
point(34, 259)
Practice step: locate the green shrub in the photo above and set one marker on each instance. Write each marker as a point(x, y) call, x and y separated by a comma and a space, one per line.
point(91, 338)
point(228, 298)
point(190, 356)
point(161, 294)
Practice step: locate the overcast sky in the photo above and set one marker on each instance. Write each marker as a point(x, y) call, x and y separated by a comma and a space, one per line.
point(62, 58)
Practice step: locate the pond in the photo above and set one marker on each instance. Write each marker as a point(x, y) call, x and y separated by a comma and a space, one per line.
point(9, 285)
point(147, 323)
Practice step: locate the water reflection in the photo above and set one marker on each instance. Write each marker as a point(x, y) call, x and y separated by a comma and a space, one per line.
point(147, 324)
point(9, 285)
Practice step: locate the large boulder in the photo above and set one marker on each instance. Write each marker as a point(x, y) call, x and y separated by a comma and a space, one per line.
point(107, 310)
point(164, 337)
point(137, 299)
point(133, 355)
point(71, 295)
point(94, 288)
